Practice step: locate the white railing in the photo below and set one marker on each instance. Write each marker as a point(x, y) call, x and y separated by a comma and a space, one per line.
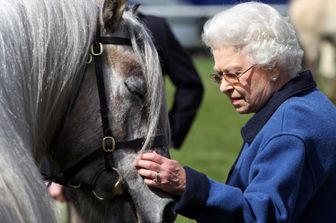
point(187, 21)
point(187, 11)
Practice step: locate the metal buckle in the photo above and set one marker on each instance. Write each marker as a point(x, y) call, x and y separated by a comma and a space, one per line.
point(108, 144)
point(97, 49)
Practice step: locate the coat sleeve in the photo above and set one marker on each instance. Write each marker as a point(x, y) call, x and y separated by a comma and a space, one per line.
point(279, 186)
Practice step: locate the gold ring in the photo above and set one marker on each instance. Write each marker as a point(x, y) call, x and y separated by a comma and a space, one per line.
point(157, 178)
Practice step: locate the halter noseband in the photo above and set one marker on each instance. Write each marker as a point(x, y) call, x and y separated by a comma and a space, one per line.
point(109, 144)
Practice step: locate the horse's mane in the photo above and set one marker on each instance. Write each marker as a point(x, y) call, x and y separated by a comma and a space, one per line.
point(43, 44)
point(148, 57)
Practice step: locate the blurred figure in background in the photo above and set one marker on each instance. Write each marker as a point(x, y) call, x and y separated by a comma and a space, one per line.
point(177, 64)
point(315, 22)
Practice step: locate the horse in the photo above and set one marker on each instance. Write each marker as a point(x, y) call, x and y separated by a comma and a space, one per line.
point(45, 94)
point(119, 112)
point(42, 45)
point(315, 24)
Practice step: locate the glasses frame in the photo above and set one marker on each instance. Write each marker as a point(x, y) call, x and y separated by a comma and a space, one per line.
point(230, 77)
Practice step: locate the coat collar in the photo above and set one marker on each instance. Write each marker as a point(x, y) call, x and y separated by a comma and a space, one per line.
point(302, 83)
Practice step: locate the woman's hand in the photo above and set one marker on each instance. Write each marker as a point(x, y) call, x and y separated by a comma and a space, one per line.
point(161, 172)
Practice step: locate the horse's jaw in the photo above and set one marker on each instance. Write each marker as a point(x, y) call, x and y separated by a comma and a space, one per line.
point(152, 205)
point(137, 203)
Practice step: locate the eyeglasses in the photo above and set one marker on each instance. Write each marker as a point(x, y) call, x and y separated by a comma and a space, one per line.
point(232, 78)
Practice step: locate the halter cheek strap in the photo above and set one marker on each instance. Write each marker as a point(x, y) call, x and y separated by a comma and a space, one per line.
point(108, 142)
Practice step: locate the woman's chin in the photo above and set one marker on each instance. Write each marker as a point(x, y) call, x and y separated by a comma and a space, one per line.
point(242, 109)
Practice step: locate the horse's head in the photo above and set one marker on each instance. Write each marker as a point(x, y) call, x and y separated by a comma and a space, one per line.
point(101, 138)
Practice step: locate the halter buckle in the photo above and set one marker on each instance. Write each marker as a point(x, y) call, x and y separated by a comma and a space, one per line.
point(108, 144)
point(97, 49)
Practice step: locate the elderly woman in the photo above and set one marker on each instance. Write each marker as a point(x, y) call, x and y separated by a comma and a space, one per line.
point(286, 170)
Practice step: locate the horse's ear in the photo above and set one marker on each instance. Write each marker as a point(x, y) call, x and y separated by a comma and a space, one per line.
point(112, 12)
point(135, 9)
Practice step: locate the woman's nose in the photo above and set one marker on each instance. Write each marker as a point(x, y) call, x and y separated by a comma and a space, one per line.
point(225, 86)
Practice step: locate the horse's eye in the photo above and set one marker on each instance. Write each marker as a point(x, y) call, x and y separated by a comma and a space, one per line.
point(136, 85)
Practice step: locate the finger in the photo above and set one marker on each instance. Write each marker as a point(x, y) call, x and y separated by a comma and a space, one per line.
point(149, 165)
point(56, 192)
point(153, 156)
point(148, 174)
point(152, 183)
point(58, 197)
point(135, 161)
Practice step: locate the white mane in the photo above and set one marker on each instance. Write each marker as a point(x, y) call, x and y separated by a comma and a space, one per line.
point(42, 48)
point(149, 60)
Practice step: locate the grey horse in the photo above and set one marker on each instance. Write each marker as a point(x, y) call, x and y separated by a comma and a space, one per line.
point(44, 47)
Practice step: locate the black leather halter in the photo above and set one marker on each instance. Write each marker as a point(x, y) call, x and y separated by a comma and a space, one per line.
point(109, 145)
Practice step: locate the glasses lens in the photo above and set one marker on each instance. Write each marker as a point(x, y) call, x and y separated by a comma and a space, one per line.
point(231, 78)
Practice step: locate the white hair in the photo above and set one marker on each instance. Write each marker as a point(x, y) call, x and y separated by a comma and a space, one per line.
point(260, 32)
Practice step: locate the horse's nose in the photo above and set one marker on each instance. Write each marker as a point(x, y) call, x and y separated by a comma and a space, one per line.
point(169, 215)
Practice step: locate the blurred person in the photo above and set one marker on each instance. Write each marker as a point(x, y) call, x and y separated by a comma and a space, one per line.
point(286, 170)
point(60, 194)
point(177, 64)
point(315, 23)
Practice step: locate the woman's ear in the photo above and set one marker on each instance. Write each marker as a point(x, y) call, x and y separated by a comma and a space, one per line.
point(275, 73)
point(112, 12)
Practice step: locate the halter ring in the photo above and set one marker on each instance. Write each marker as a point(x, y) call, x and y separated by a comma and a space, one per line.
point(117, 188)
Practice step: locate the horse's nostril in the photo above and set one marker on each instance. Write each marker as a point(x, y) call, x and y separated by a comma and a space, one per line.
point(169, 215)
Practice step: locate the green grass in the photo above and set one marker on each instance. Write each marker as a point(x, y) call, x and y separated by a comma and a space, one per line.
point(214, 140)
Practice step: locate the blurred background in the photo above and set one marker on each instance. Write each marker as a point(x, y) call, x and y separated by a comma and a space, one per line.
point(187, 17)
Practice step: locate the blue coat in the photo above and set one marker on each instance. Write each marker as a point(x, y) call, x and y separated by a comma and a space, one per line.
point(286, 170)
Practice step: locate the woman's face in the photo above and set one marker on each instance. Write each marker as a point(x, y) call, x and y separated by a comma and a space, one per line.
point(255, 86)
